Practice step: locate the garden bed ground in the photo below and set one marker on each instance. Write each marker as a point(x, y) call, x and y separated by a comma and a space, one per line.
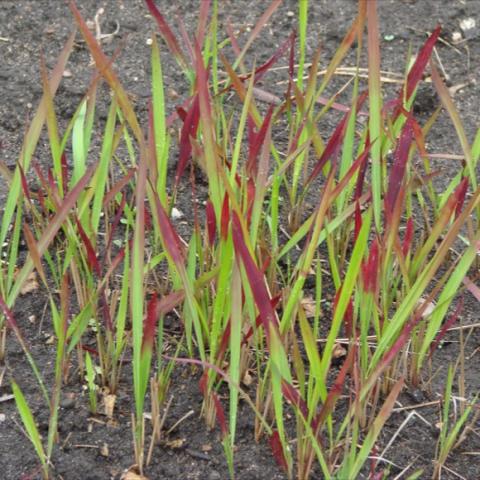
point(96, 448)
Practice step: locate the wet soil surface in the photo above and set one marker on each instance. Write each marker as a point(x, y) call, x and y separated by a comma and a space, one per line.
point(99, 448)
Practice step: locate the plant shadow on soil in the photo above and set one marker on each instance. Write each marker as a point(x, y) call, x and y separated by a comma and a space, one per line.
point(98, 448)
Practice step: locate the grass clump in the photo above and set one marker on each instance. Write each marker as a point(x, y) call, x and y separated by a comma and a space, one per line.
point(249, 281)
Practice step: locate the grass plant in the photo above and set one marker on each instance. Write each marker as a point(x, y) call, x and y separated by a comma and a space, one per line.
point(250, 280)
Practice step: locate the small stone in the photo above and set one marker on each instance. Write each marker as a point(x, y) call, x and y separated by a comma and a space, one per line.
point(3, 417)
point(149, 41)
point(456, 37)
point(67, 73)
point(290, 14)
point(467, 23)
point(104, 452)
point(176, 214)
point(469, 27)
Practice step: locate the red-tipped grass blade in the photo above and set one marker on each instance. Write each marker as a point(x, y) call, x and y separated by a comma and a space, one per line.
point(167, 33)
point(220, 414)
point(408, 238)
point(189, 130)
point(258, 321)
point(446, 326)
point(256, 141)
point(233, 39)
point(211, 223)
point(358, 220)
point(335, 141)
point(359, 164)
point(416, 72)
point(25, 188)
point(263, 69)
point(118, 186)
point(336, 389)
point(331, 150)
point(277, 450)
point(294, 397)
point(172, 241)
point(397, 173)
point(348, 315)
point(461, 193)
point(255, 278)
point(11, 322)
point(361, 174)
point(186, 39)
point(150, 324)
point(92, 259)
point(401, 340)
point(148, 219)
point(370, 269)
point(202, 20)
point(225, 218)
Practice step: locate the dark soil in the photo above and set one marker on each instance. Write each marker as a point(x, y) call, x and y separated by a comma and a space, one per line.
point(29, 28)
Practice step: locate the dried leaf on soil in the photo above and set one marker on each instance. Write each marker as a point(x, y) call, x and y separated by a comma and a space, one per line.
point(30, 285)
point(177, 443)
point(308, 304)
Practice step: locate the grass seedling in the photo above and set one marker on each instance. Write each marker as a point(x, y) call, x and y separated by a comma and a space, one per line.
point(90, 378)
point(31, 428)
point(449, 430)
